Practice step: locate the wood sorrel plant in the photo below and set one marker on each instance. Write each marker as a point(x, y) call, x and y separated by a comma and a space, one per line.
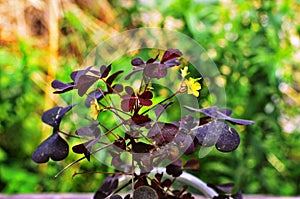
point(148, 141)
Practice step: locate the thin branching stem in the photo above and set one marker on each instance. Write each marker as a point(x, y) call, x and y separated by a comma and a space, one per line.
point(98, 172)
point(161, 102)
point(78, 160)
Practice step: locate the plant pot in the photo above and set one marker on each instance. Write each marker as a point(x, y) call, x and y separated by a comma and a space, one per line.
point(145, 192)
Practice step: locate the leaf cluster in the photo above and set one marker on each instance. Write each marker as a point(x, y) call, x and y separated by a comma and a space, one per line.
point(150, 141)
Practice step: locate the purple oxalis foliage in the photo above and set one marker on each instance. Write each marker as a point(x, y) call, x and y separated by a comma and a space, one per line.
point(161, 141)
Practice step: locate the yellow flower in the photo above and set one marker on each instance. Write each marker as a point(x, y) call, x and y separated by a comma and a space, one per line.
point(193, 86)
point(95, 109)
point(184, 72)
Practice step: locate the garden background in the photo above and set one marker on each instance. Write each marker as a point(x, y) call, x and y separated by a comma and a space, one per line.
point(255, 44)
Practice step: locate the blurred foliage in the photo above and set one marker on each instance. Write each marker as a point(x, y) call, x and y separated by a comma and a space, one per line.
point(255, 44)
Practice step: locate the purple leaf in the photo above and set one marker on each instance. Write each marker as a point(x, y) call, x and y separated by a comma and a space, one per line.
point(190, 149)
point(211, 111)
point(109, 185)
point(115, 196)
point(239, 121)
point(162, 132)
point(151, 60)
point(76, 74)
point(110, 80)
point(208, 134)
point(140, 120)
point(156, 70)
point(172, 62)
point(186, 143)
point(118, 88)
point(159, 176)
point(238, 195)
point(141, 147)
point(217, 133)
point(63, 87)
point(222, 114)
point(81, 149)
point(137, 62)
point(145, 97)
point(53, 147)
point(96, 94)
point(116, 161)
point(225, 111)
point(84, 83)
point(104, 71)
point(223, 188)
point(192, 164)
point(229, 140)
point(187, 122)
point(128, 103)
point(120, 144)
point(53, 116)
point(129, 90)
point(175, 169)
point(90, 131)
point(170, 54)
point(133, 72)
point(161, 108)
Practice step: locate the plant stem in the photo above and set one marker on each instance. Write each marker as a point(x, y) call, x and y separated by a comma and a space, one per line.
point(171, 96)
point(78, 160)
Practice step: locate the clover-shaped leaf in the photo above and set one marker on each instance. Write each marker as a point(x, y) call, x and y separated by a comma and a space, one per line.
point(115, 196)
point(187, 122)
point(226, 188)
point(217, 133)
point(226, 191)
point(145, 192)
point(137, 62)
point(77, 74)
point(186, 143)
point(229, 140)
point(104, 71)
point(84, 83)
point(145, 98)
point(53, 147)
point(152, 60)
point(192, 164)
point(156, 70)
point(162, 132)
point(140, 120)
point(90, 131)
point(110, 183)
point(175, 168)
point(129, 100)
point(82, 149)
point(110, 80)
point(222, 114)
point(141, 147)
point(96, 94)
point(170, 54)
point(208, 134)
point(53, 116)
point(65, 87)
point(153, 68)
point(62, 87)
point(161, 108)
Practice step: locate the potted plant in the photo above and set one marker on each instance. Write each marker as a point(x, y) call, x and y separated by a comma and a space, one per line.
point(128, 122)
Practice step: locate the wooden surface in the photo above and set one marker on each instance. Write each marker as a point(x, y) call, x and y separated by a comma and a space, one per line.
point(90, 196)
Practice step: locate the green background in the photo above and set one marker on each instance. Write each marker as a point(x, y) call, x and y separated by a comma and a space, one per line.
point(255, 45)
